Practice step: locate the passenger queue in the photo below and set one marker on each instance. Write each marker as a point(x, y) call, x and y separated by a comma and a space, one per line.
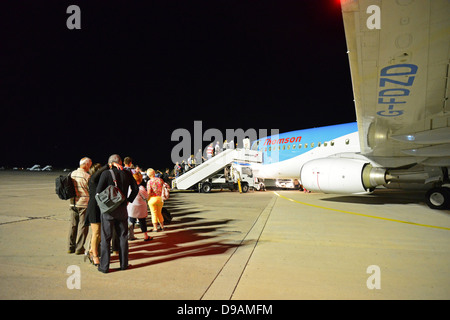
point(143, 192)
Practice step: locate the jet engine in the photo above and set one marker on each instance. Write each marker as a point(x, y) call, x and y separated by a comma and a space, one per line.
point(341, 175)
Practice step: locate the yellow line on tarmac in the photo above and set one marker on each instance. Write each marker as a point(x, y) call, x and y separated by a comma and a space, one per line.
point(360, 214)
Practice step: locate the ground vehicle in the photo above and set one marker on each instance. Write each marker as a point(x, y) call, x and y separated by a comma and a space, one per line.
point(234, 164)
point(285, 183)
point(233, 175)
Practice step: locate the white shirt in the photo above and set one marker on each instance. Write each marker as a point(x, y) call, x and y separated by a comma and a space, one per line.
point(138, 208)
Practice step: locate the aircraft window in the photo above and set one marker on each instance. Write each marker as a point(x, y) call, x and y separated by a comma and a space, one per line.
point(265, 149)
point(332, 143)
point(299, 145)
point(319, 144)
point(312, 145)
point(347, 141)
point(279, 148)
point(288, 146)
point(284, 147)
point(325, 144)
point(293, 146)
point(270, 148)
point(306, 145)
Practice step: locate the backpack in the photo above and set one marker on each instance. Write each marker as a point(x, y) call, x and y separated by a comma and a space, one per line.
point(65, 188)
point(109, 199)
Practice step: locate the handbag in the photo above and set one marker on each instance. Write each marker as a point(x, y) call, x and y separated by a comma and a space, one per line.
point(165, 193)
point(110, 198)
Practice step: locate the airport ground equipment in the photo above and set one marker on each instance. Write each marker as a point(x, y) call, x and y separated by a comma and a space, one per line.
point(234, 176)
point(197, 176)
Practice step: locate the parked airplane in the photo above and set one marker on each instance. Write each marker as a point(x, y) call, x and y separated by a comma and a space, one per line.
point(401, 139)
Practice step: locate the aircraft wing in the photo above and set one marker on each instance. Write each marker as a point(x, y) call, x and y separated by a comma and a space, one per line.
point(399, 59)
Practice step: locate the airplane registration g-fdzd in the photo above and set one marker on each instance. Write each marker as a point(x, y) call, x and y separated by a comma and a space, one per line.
point(400, 84)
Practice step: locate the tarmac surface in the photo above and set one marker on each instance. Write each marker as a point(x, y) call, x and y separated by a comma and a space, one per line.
point(272, 245)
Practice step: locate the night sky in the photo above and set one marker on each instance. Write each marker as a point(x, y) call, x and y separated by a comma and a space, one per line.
point(138, 70)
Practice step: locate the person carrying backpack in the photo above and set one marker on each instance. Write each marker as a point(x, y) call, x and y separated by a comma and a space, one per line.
point(78, 205)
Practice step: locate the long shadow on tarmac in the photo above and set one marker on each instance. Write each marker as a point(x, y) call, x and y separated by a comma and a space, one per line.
point(382, 197)
point(186, 236)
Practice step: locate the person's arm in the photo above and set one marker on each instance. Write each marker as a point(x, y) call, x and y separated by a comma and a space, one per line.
point(143, 192)
point(102, 183)
point(134, 188)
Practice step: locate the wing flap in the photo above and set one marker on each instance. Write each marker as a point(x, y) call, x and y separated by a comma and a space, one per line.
point(440, 150)
point(436, 136)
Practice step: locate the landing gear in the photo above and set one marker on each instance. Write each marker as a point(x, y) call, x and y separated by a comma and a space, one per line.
point(438, 198)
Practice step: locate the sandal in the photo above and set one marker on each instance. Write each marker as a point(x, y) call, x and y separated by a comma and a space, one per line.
point(89, 256)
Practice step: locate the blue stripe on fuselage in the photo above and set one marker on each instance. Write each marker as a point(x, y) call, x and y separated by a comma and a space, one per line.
point(288, 143)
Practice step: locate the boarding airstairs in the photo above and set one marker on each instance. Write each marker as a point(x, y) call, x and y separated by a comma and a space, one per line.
point(216, 164)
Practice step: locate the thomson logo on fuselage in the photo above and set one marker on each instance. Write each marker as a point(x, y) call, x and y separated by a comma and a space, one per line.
point(269, 142)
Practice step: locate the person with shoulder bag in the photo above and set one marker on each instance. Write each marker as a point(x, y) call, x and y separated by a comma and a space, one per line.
point(117, 218)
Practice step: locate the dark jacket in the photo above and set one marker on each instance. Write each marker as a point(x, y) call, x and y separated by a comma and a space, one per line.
point(93, 211)
point(125, 180)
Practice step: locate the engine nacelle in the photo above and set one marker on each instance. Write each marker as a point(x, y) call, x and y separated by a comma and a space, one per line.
point(340, 175)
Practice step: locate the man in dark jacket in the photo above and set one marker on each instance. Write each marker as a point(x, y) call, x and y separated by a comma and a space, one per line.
point(117, 219)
